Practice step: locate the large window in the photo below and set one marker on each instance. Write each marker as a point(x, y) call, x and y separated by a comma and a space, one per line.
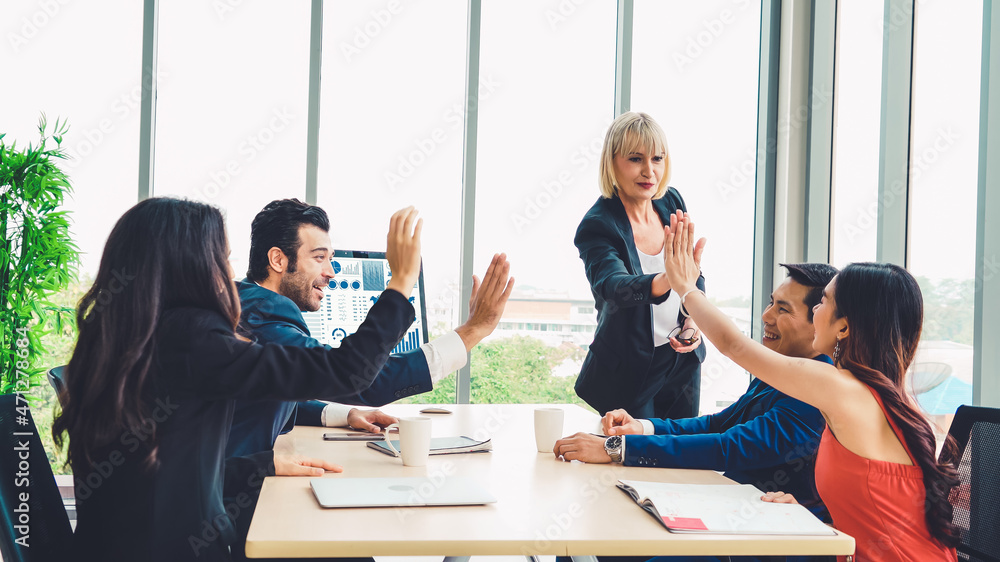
point(391, 127)
point(81, 63)
point(231, 108)
point(944, 152)
point(549, 100)
point(857, 110)
point(695, 70)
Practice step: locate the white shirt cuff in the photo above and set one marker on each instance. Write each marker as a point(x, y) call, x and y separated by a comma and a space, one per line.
point(647, 427)
point(445, 355)
point(623, 449)
point(335, 415)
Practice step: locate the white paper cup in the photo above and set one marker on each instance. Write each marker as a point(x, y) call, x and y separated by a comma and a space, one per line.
point(548, 428)
point(414, 440)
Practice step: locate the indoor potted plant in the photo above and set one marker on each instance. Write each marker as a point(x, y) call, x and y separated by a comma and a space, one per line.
point(38, 258)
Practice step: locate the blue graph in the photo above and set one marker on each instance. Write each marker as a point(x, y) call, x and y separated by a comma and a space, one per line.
point(373, 276)
point(410, 342)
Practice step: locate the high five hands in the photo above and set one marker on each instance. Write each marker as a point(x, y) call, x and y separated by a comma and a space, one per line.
point(487, 302)
point(403, 250)
point(681, 254)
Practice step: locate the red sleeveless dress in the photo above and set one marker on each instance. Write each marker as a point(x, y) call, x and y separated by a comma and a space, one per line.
point(879, 503)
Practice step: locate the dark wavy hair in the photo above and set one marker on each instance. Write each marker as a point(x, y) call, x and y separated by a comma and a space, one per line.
point(277, 226)
point(885, 313)
point(162, 253)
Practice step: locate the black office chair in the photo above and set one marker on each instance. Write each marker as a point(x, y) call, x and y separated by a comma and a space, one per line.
point(55, 375)
point(976, 501)
point(26, 470)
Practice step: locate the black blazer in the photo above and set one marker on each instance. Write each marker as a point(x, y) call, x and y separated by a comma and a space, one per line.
point(176, 511)
point(617, 368)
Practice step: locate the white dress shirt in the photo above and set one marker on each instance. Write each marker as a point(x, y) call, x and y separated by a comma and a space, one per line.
point(665, 313)
point(445, 355)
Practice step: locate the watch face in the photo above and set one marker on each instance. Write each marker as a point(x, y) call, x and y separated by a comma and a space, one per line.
point(613, 442)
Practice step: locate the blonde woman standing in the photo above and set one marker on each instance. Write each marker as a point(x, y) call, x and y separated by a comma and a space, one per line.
point(645, 357)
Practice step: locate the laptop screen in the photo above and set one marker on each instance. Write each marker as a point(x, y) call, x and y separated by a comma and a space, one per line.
point(359, 279)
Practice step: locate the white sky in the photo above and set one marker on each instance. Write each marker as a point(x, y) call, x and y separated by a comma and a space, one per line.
point(232, 105)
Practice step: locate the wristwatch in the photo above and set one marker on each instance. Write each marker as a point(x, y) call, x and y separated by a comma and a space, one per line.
point(613, 447)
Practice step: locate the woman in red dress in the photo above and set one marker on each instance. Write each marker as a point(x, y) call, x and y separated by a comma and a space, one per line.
point(876, 468)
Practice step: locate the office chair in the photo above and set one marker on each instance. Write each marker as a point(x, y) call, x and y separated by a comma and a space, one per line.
point(975, 501)
point(55, 376)
point(26, 470)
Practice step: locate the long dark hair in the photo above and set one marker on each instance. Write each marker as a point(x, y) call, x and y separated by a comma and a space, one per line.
point(162, 253)
point(885, 313)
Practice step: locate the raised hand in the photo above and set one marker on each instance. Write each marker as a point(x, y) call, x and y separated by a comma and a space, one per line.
point(487, 302)
point(402, 250)
point(620, 422)
point(681, 255)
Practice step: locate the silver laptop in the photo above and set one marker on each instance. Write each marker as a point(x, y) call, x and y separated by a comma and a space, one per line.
point(399, 492)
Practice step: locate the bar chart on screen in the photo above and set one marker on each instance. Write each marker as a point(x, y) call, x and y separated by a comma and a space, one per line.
point(360, 277)
point(410, 341)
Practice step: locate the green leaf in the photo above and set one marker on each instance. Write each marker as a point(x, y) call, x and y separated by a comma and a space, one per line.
point(38, 258)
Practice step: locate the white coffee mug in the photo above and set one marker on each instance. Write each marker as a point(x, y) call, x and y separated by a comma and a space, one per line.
point(414, 440)
point(548, 428)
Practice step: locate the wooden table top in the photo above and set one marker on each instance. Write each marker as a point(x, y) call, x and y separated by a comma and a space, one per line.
point(545, 506)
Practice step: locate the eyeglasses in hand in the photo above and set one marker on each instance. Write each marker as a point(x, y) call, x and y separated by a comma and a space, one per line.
point(687, 336)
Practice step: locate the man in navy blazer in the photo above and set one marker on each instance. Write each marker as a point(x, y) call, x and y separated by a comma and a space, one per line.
point(765, 438)
point(290, 253)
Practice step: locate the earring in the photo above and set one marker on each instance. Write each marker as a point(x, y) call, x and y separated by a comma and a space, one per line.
point(836, 352)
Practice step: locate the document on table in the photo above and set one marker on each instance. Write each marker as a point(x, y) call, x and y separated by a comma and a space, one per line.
point(721, 509)
point(441, 446)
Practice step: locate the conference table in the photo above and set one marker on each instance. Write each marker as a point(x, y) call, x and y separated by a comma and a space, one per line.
point(545, 505)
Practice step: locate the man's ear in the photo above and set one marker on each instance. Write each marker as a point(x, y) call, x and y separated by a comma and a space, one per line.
point(277, 260)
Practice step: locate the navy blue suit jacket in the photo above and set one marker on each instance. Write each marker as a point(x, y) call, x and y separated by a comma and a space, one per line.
point(616, 372)
point(766, 438)
point(268, 317)
point(175, 510)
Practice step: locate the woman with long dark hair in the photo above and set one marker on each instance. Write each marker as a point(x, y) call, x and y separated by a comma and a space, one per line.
point(876, 468)
point(150, 386)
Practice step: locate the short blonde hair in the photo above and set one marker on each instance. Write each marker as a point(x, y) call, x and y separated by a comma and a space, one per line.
point(631, 132)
